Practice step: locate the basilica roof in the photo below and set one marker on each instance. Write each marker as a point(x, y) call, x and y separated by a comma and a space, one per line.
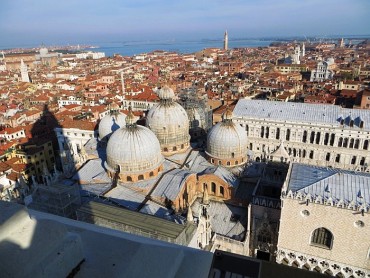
point(171, 183)
point(304, 113)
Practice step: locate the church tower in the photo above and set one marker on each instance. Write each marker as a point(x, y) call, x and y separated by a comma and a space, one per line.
point(204, 222)
point(341, 43)
point(24, 72)
point(297, 54)
point(303, 53)
point(226, 41)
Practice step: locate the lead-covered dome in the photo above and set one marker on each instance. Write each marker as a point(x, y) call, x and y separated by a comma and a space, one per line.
point(227, 143)
point(134, 152)
point(170, 123)
point(110, 123)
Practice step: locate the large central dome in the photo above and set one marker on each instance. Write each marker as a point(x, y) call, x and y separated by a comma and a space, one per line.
point(227, 143)
point(134, 152)
point(170, 123)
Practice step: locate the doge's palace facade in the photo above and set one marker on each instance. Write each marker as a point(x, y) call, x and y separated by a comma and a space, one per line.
point(315, 134)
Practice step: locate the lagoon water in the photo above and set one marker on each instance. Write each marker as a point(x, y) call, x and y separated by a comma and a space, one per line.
point(137, 47)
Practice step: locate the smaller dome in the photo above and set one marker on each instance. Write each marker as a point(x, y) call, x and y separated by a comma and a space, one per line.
point(44, 51)
point(166, 93)
point(227, 142)
point(110, 123)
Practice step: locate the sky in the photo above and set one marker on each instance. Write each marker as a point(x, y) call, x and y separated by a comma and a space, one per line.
point(27, 22)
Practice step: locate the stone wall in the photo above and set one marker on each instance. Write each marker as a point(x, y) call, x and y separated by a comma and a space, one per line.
point(350, 247)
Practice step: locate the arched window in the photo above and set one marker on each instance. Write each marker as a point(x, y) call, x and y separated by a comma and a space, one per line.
point(277, 133)
point(174, 148)
point(213, 187)
point(151, 174)
point(312, 138)
point(340, 142)
point(332, 138)
point(140, 178)
point(351, 142)
point(357, 143)
point(129, 178)
point(345, 143)
point(304, 138)
point(326, 138)
point(228, 163)
point(212, 160)
point(222, 191)
point(366, 144)
point(182, 146)
point(322, 237)
point(287, 136)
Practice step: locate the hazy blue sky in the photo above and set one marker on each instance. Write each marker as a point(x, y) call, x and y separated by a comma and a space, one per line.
point(78, 21)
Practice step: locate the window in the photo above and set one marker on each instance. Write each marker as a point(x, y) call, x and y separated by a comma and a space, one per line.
point(357, 143)
point(141, 177)
point(287, 136)
point(264, 236)
point(222, 191)
point(312, 137)
point(322, 237)
point(311, 154)
point(366, 144)
point(277, 134)
point(345, 143)
point(151, 174)
point(129, 178)
point(337, 158)
point(213, 187)
point(326, 139)
point(340, 142)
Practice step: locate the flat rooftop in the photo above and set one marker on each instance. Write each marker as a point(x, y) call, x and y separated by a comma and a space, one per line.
point(144, 222)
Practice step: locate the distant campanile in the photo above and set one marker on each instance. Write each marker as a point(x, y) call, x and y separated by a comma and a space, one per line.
point(226, 41)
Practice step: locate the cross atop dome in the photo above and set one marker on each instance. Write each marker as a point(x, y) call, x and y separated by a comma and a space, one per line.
point(130, 119)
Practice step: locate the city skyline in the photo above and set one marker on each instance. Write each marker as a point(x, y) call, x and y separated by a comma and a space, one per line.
point(24, 22)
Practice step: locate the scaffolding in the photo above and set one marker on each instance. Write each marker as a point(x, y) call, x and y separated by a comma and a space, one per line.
point(57, 199)
point(195, 105)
